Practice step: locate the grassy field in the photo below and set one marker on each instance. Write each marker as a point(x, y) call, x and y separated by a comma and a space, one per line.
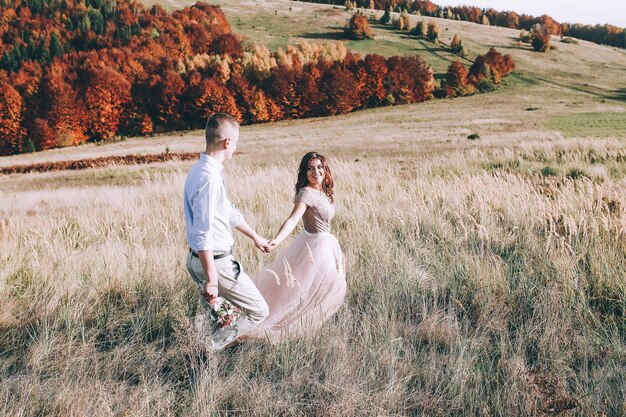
point(590, 124)
point(485, 277)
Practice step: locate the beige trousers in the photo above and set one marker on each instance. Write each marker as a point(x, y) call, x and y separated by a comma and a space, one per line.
point(235, 286)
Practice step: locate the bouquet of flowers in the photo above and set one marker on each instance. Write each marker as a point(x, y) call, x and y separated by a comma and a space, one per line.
point(225, 314)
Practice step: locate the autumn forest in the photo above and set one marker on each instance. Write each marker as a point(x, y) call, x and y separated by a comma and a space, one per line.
point(77, 71)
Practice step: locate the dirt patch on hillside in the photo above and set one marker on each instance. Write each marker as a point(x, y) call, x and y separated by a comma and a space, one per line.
point(104, 161)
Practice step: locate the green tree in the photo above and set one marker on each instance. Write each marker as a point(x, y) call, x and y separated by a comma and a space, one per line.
point(31, 49)
point(387, 15)
point(433, 32)
point(420, 29)
point(98, 24)
point(55, 45)
point(85, 23)
point(42, 53)
point(456, 46)
point(541, 41)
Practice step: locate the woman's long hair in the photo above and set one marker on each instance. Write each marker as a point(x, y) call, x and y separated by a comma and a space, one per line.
point(327, 184)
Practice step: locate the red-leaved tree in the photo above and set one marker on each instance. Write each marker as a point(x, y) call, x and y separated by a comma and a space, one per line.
point(457, 83)
point(169, 89)
point(338, 94)
point(359, 28)
point(106, 95)
point(375, 92)
point(11, 110)
point(210, 97)
point(62, 107)
point(409, 79)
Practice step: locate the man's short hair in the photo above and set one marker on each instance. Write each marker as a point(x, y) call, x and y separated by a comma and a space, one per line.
point(216, 125)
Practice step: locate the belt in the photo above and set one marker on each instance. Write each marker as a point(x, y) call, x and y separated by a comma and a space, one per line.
point(215, 255)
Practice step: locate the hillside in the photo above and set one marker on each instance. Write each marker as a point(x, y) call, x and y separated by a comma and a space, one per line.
point(575, 90)
point(485, 277)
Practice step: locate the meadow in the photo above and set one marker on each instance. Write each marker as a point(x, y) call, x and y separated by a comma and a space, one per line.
point(485, 277)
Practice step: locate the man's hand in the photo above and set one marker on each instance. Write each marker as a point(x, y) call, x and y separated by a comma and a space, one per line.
point(262, 244)
point(210, 294)
point(259, 242)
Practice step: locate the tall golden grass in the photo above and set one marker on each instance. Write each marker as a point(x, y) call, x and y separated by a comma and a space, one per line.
point(479, 283)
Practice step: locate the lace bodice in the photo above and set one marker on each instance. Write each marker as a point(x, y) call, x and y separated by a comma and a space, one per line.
point(319, 210)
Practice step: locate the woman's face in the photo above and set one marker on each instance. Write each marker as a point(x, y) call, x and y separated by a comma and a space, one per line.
point(315, 173)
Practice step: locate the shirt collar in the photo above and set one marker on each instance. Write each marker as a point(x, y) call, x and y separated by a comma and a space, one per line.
point(211, 162)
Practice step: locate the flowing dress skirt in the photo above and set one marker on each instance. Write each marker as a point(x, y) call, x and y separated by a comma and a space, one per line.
point(303, 287)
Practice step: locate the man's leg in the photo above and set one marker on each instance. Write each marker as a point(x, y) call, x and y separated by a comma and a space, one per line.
point(237, 287)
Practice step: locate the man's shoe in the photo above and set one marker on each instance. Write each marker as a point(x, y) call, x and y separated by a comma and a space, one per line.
point(223, 337)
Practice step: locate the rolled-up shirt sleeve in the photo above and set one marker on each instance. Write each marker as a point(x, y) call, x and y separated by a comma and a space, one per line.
point(235, 218)
point(204, 207)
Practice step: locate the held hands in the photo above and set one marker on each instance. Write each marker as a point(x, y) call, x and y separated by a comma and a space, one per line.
point(265, 245)
point(272, 244)
point(262, 244)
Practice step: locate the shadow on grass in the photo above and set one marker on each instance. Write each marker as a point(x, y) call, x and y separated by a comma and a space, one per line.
point(619, 94)
point(523, 79)
point(337, 34)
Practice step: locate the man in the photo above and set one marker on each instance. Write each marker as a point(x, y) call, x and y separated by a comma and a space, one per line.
point(209, 219)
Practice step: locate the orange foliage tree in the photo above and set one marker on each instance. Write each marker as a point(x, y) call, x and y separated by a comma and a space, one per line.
point(255, 105)
point(227, 44)
point(489, 69)
point(409, 79)
point(338, 94)
point(457, 83)
point(62, 107)
point(292, 90)
point(106, 97)
point(169, 89)
point(11, 110)
point(374, 91)
point(502, 65)
point(359, 28)
point(210, 97)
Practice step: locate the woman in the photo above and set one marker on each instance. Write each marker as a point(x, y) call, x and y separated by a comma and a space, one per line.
point(306, 284)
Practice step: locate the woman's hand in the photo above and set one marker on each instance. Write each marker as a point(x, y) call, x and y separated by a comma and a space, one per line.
point(272, 244)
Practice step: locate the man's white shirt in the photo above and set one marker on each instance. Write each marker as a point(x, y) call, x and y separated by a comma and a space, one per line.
point(209, 216)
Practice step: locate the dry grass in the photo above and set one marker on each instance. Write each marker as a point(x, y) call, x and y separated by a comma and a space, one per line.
point(485, 277)
point(477, 286)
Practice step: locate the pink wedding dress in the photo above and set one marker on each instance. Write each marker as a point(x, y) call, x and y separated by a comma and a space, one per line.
point(306, 284)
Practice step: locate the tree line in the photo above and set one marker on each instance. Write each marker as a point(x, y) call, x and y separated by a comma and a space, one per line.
point(602, 34)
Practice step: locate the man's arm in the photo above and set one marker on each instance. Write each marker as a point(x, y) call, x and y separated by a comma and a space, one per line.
point(210, 291)
point(260, 242)
point(204, 206)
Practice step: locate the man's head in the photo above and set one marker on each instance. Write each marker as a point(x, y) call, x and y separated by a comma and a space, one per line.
point(222, 134)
